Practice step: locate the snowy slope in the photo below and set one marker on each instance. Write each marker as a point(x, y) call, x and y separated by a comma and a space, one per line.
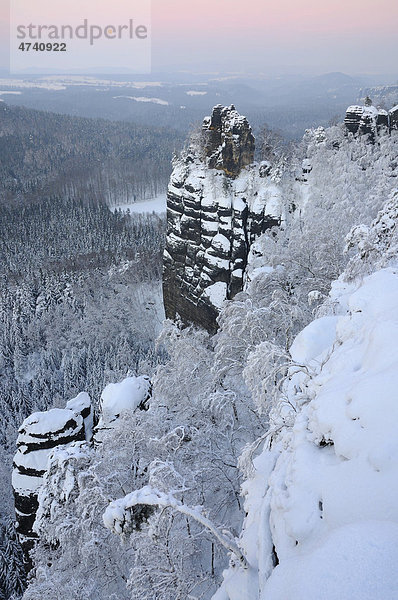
point(153, 205)
point(322, 507)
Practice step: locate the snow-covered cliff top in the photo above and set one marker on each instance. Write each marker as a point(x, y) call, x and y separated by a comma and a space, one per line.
point(323, 499)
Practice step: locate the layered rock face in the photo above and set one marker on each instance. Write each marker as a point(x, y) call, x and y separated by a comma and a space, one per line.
point(368, 120)
point(218, 203)
point(394, 117)
point(229, 141)
point(38, 435)
point(47, 439)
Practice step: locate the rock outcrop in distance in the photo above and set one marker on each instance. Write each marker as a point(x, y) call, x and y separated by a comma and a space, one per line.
point(386, 95)
point(219, 201)
point(369, 120)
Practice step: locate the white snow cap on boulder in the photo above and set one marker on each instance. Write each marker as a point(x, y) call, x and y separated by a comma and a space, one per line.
point(39, 435)
point(81, 405)
point(128, 395)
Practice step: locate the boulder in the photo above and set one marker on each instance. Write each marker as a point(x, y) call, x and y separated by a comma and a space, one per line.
point(38, 436)
point(128, 395)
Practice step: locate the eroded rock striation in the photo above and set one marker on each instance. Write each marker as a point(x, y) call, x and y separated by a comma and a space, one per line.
point(369, 120)
point(229, 141)
point(394, 118)
point(39, 435)
point(219, 201)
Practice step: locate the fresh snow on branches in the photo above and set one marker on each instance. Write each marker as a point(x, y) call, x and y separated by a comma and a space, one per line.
point(117, 516)
point(323, 498)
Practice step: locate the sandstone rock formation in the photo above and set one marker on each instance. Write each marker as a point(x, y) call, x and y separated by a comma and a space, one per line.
point(394, 117)
point(229, 141)
point(218, 202)
point(38, 435)
point(45, 438)
point(368, 120)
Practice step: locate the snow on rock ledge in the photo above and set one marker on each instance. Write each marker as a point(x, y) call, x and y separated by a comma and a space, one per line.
point(322, 511)
point(368, 120)
point(128, 395)
point(218, 203)
point(39, 435)
point(49, 441)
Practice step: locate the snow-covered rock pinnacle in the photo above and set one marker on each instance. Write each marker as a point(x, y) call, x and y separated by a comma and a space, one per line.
point(229, 141)
point(218, 202)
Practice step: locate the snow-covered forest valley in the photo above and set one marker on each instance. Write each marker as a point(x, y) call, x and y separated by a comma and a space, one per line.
point(242, 448)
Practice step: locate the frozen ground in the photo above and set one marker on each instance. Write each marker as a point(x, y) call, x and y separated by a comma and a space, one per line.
point(153, 205)
point(144, 99)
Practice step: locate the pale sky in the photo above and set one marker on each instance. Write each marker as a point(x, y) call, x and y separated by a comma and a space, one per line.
point(354, 36)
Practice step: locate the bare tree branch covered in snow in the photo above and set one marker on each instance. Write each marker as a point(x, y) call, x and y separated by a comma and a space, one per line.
point(119, 516)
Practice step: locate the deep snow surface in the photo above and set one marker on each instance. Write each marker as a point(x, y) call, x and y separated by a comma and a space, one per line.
point(324, 495)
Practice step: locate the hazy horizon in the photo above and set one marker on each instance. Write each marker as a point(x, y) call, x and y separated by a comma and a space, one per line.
point(304, 37)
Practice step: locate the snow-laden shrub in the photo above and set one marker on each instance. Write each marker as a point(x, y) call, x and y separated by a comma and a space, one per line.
point(377, 244)
point(321, 510)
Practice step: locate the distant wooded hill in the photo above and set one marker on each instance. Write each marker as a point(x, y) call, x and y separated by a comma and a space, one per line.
point(43, 152)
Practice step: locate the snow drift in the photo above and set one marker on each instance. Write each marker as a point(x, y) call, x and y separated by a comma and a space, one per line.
point(322, 516)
